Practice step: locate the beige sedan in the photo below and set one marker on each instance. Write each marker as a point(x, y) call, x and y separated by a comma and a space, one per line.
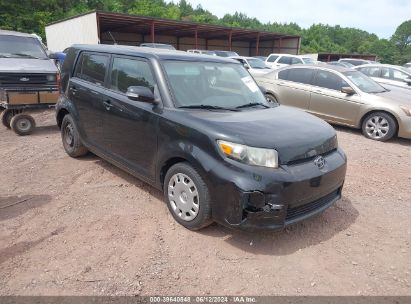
point(342, 96)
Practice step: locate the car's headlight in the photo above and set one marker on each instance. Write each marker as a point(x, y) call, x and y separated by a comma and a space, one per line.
point(51, 77)
point(249, 155)
point(406, 109)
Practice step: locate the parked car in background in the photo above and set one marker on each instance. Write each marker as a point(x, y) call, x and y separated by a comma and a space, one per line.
point(387, 74)
point(29, 79)
point(342, 96)
point(254, 65)
point(276, 61)
point(205, 52)
point(341, 63)
point(407, 65)
point(225, 53)
point(263, 58)
point(354, 61)
point(158, 46)
point(199, 129)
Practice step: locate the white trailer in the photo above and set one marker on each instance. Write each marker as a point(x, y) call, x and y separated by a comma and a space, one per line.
point(82, 29)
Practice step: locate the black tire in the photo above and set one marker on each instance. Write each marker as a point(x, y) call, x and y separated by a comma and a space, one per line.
point(203, 217)
point(387, 126)
point(271, 99)
point(6, 117)
point(71, 139)
point(22, 124)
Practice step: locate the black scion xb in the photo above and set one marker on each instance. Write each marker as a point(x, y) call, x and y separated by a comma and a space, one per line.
point(199, 129)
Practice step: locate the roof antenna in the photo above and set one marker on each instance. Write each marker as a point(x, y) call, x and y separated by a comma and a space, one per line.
point(112, 37)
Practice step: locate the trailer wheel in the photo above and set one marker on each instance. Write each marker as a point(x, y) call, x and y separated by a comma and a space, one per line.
point(6, 117)
point(22, 124)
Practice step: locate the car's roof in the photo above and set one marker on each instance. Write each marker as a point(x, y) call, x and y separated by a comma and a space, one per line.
point(13, 33)
point(382, 65)
point(336, 68)
point(242, 57)
point(161, 54)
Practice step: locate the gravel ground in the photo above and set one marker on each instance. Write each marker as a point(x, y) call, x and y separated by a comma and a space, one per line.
point(83, 227)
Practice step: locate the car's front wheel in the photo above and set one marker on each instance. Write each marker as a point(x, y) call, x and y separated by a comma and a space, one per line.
point(71, 138)
point(379, 126)
point(187, 196)
point(271, 99)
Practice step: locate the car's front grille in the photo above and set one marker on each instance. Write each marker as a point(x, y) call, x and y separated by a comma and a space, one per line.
point(299, 211)
point(25, 80)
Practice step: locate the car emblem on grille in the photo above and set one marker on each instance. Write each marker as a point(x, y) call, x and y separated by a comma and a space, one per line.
point(24, 79)
point(319, 161)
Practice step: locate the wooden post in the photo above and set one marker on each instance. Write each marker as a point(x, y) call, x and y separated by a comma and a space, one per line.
point(257, 44)
point(298, 45)
point(230, 36)
point(152, 32)
point(206, 44)
point(279, 47)
point(196, 38)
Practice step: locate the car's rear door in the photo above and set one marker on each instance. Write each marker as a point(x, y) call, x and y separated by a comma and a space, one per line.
point(328, 102)
point(294, 87)
point(86, 90)
point(130, 126)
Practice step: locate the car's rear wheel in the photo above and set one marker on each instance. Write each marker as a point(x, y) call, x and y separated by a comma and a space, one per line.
point(271, 99)
point(187, 196)
point(71, 138)
point(379, 126)
point(22, 124)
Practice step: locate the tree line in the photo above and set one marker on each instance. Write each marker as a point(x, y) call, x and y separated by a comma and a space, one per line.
point(33, 15)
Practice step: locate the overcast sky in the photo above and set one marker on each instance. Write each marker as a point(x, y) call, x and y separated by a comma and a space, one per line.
point(380, 17)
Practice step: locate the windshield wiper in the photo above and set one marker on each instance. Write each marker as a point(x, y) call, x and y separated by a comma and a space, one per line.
point(207, 107)
point(252, 104)
point(25, 55)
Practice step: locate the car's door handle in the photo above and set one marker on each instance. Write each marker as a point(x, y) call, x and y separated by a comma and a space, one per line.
point(107, 104)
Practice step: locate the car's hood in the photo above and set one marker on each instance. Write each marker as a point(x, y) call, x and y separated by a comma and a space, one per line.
point(396, 95)
point(27, 65)
point(293, 133)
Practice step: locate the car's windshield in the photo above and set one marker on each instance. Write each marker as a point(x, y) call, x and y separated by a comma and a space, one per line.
point(21, 47)
point(211, 84)
point(308, 60)
point(364, 83)
point(256, 63)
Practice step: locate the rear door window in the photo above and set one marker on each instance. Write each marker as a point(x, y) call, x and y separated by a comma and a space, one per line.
point(285, 60)
point(328, 80)
point(127, 72)
point(272, 58)
point(92, 68)
point(300, 75)
point(296, 60)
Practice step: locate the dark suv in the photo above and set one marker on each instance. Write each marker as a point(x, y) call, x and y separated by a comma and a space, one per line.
point(199, 129)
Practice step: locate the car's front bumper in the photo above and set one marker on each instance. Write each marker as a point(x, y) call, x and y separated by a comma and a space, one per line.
point(262, 198)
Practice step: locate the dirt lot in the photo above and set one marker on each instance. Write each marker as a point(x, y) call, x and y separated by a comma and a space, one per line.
point(84, 227)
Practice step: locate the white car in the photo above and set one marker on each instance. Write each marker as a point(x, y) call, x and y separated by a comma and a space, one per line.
point(276, 61)
point(407, 65)
point(205, 52)
point(387, 74)
point(254, 65)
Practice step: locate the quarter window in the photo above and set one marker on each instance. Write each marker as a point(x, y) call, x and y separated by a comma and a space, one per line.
point(330, 81)
point(128, 72)
point(92, 68)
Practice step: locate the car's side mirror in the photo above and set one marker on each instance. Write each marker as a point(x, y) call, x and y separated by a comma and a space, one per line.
point(246, 66)
point(53, 56)
point(408, 81)
point(348, 90)
point(140, 93)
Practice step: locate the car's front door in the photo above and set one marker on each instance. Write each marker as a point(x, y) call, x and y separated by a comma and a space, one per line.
point(394, 77)
point(294, 87)
point(130, 126)
point(329, 103)
point(86, 89)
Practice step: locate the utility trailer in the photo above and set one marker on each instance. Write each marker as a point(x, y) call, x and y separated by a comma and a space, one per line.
point(17, 106)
